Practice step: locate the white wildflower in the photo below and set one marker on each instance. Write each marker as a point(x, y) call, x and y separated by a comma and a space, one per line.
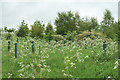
point(72, 64)
point(66, 67)
point(116, 62)
point(21, 75)
point(49, 70)
point(108, 76)
point(115, 66)
point(86, 56)
point(62, 70)
point(31, 65)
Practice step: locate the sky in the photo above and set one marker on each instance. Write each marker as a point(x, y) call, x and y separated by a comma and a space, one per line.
point(12, 12)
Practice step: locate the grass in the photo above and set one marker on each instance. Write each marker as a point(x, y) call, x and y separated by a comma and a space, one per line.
point(70, 60)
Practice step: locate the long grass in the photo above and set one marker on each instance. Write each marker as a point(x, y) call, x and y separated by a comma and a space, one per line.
point(70, 60)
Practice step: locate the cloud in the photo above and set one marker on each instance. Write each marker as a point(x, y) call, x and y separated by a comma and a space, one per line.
point(0, 15)
point(59, 0)
point(46, 10)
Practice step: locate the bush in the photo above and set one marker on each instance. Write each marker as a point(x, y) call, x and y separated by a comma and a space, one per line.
point(48, 37)
point(58, 37)
point(8, 36)
point(91, 35)
point(70, 35)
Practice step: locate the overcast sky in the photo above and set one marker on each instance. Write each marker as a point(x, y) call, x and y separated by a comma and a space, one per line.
point(14, 11)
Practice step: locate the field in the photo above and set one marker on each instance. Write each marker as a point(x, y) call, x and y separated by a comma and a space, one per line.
point(71, 59)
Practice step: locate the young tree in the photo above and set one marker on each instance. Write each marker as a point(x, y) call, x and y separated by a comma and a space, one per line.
point(49, 29)
point(109, 27)
point(66, 21)
point(107, 20)
point(23, 30)
point(112, 32)
point(37, 29)
point(49, 32)
point(93, 23)
point(83, 24)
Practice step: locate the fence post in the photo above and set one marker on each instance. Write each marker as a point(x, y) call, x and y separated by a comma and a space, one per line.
point(33, 46)
point(15, 50)
point(85, 44)
point(8, 45)
point(104, 48)
point(27, 45)
point(17, 39)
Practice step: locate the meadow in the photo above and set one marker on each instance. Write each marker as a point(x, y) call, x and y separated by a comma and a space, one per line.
point(70, 59)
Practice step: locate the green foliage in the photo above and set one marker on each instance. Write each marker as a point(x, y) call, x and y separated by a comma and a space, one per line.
point(5, 29)
point(108, 26)
point(112, 31)
point(93, 24)
point(37, 29)
point(68, 24)
point(49, 29)
point(86, 34)
point(83, 24)
point(23, 30)
point(70, 60)
point(49, 32)
point(58, 37)
point(8, 36)
point(118, 30)
point(84, 58)
point(0, 32)
point(48, 37)
point(66, 21)
point(87, 24)
point(70, 35)
point(10, 30)
point(107, 19)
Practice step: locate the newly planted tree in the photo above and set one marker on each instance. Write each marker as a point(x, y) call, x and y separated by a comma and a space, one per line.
point(23, 30)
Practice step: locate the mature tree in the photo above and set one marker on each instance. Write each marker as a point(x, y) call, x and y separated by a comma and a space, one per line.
point(93, 23)
point(66, 21)
point(37, 29)
point(108, 26)
point(23, 30)
point(49, 32)
point(112, 32)
point(49, 29)
point(107, 20)
point(83, 24)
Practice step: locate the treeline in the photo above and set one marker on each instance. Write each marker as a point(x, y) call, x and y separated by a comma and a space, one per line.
point(69, 25)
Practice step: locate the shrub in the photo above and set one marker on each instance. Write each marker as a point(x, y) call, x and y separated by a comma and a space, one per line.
point(48, 37)
point(58, 37)
point(70, 35)
point(8, 36)
point(91, 35)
